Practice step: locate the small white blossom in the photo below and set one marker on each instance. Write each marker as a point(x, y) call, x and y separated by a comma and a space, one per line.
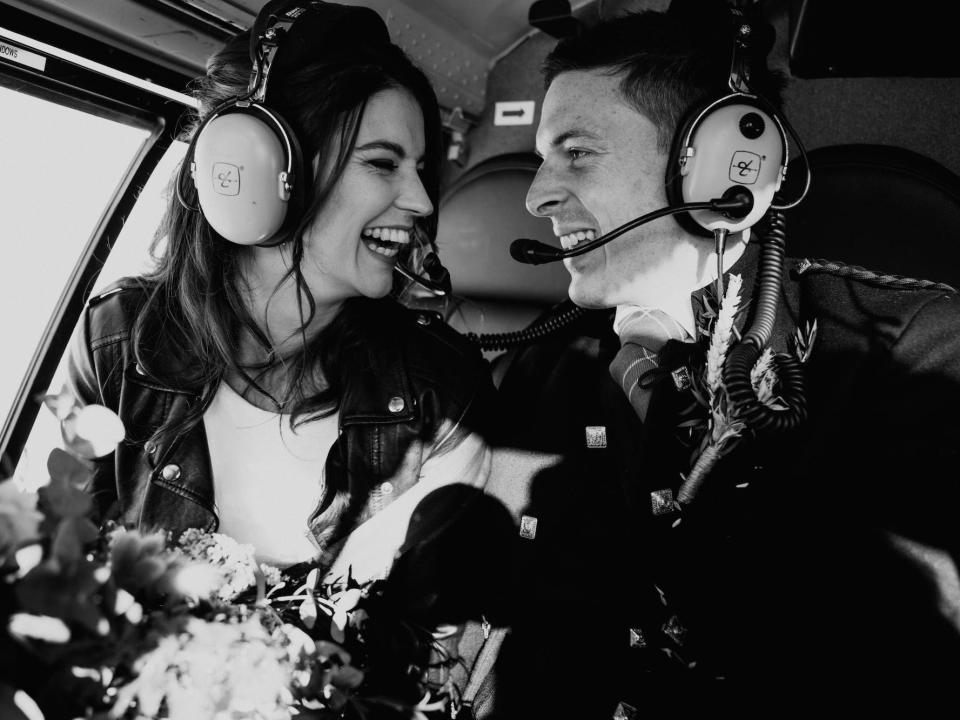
point(40, 627)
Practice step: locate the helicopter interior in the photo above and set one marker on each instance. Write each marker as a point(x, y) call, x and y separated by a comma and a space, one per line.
point(873, 92)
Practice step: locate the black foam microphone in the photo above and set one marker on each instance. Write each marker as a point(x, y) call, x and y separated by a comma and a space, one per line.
point(736, 202)
point(534, 252)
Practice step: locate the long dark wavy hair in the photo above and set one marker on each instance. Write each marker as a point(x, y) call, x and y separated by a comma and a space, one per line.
point(194, 313)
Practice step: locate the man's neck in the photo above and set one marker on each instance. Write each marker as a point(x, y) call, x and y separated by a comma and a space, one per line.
point(678, 305)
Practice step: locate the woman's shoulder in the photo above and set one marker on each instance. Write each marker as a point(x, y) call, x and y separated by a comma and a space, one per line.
point(433, 351)
point(111, 311)
point(421, 329)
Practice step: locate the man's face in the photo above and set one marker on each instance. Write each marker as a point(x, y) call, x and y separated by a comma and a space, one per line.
point(602, 168)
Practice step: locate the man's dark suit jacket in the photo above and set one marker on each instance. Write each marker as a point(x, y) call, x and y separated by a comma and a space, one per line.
point(818, 563)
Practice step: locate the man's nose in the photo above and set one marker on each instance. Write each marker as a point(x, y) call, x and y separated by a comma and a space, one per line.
point(545, 195)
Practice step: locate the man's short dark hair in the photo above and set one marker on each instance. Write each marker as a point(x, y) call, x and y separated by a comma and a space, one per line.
point(669, 63)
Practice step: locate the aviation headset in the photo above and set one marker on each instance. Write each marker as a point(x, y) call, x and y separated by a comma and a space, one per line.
point(245, 161)
point(729, 144)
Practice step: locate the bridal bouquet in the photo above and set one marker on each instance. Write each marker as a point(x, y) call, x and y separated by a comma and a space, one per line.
point(111, 623)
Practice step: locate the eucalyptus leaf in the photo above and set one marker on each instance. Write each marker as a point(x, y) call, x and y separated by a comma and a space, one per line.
point(64, 466)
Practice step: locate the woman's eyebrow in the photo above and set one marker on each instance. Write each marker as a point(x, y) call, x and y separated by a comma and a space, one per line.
point(387, 145)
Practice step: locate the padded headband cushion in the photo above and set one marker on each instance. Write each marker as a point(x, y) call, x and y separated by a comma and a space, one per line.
point(330, 30)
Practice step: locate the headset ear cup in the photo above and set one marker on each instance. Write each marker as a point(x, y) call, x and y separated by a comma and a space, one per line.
point(185, 183)
point(736, 142)
point(242, 160)
point(299, 181)
point(674, 177)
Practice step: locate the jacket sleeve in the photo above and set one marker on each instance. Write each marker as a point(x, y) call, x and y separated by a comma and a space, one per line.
point(94, 373)
point(922, 405)
point(923, 399)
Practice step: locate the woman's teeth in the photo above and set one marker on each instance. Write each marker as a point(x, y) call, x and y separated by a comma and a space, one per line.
point(385, 241)
point(571, 240)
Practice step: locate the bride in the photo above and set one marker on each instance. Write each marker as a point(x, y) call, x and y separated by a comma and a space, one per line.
point(272, 388)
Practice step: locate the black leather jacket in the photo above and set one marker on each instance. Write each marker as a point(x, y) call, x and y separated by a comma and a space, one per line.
point(415, 384)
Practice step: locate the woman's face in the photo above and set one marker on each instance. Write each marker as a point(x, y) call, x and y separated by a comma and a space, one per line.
point(351, 246)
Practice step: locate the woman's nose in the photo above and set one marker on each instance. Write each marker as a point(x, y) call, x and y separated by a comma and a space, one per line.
point(414, 198)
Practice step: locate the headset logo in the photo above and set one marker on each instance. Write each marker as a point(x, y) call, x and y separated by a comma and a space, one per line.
point(744, 167)
point(226, 178)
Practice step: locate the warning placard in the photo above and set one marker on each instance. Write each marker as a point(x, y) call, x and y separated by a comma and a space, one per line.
point(24, 57)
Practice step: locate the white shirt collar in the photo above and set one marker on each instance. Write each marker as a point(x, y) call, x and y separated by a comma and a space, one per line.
point(682, 314)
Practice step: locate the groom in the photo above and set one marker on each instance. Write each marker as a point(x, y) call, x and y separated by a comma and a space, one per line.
point(818, 557)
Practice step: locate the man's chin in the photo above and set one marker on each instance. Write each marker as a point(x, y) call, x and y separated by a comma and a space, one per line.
point(588, 298)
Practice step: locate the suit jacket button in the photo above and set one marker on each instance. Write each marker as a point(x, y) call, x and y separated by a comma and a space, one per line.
point(423, 319)
point(170, 472)
point(396, 404)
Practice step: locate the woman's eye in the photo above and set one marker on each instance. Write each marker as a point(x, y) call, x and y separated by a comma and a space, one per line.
point(386, 165)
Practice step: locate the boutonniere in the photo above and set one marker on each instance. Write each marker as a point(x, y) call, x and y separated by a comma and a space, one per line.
point(723, 428)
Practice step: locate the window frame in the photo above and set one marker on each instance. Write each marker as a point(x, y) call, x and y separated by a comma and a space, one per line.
point(94, 90)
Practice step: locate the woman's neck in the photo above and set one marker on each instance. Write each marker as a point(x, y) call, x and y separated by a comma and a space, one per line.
point(284, 319)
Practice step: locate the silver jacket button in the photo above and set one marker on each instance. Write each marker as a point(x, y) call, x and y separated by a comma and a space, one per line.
point(170, 472)
point(396, 404)
point(386, 487)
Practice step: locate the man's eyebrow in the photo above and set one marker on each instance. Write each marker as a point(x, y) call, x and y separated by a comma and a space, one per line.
point(572, 133)
point(387, 145)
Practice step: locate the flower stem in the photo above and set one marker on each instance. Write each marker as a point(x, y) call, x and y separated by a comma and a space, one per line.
point(701, 468)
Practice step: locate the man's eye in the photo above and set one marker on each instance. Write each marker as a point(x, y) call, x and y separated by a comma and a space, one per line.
point(577, 153)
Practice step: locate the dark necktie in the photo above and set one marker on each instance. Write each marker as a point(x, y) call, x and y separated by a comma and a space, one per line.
point(642, 335)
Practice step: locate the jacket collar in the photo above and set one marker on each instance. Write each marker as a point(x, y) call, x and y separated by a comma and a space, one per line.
point(378, 388)
point(748, 268)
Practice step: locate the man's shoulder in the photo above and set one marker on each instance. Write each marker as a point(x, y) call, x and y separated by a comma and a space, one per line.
point(835, 273)
point(565, 327)
point(837, 286)
point(565, 343)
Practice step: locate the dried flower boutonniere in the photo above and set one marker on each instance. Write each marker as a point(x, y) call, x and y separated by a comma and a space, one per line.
point(724, 429)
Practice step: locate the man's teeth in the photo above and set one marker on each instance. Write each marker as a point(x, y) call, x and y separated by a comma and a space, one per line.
point(573, 239)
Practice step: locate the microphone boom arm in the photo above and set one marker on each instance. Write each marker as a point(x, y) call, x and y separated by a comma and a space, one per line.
point(649, 217)
point(735, 202)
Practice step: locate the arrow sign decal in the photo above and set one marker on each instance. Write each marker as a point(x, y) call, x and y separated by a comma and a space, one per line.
point(518, 112)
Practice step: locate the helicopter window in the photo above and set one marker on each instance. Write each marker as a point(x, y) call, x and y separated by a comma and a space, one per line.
point(53, 189)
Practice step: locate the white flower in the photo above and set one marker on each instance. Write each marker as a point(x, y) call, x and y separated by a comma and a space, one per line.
point(215, 670)
point(40, 627)
point(26, 705)
point(236, 561)
point(92, 431)
point(28, 558)
point(197, 580)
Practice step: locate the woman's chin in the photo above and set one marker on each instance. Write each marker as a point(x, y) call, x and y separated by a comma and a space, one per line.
point(378, 289)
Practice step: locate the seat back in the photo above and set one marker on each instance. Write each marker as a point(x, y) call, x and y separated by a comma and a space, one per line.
point(480, 215)
point(882, 207)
